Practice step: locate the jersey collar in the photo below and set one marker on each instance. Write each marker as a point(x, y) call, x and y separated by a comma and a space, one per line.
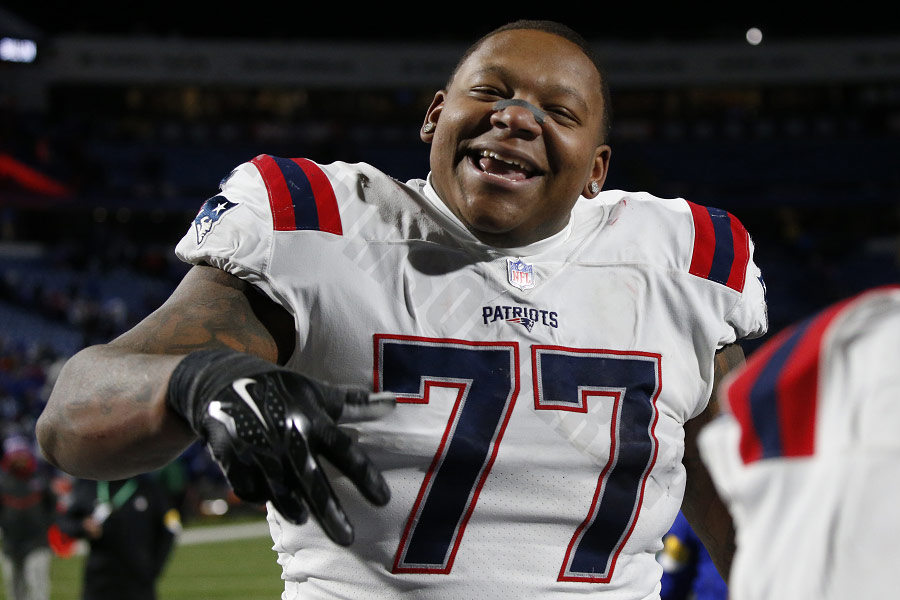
point(459, 231)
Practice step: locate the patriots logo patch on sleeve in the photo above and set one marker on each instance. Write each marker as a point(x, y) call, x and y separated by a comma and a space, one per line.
point(212, 210)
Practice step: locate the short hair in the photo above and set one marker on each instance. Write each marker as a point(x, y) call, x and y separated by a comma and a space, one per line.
point(565, 32)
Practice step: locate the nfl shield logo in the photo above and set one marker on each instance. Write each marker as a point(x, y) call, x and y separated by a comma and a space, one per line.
point(521, 274)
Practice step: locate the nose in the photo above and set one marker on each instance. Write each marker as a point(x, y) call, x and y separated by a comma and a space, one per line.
point(518, 115)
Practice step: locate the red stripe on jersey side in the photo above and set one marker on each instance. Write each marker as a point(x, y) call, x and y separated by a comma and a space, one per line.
point(798, 385)
point(326, 202)
point(741, 255)
point(798, 389)
point(736, 395)
point(704, 241)
point(280, 201)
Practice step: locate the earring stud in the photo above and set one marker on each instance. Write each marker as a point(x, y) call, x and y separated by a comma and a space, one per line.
point(594, 187)
point(428, 127)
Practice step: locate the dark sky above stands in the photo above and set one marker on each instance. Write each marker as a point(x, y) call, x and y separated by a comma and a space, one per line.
point(383, 21)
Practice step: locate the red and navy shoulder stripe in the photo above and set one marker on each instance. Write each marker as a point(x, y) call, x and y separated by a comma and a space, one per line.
point(300, 194)
point(776, 396)
point(721, 247)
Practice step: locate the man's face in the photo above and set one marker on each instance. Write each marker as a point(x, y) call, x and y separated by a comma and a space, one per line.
point(510, 179)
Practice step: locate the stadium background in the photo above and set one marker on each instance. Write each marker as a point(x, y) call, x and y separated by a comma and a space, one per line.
point(124, 123)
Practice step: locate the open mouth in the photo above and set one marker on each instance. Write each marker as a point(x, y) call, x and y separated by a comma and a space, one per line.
point(503, 167)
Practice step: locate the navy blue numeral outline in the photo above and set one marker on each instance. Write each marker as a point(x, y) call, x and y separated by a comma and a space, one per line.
point(565, 379)
point(462, 463)
point(631, 380)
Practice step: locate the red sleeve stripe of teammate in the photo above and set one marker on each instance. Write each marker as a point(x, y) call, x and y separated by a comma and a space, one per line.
point(775, 398)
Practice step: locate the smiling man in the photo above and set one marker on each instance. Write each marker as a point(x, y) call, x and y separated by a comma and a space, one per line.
point(513, 173)
point(532, 356)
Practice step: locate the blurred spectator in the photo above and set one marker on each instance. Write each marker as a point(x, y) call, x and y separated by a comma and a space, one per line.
point(688, 570)
point(27, 510)
point(130, 526)
point(174, 478)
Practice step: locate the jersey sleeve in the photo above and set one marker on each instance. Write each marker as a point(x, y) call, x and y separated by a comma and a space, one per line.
point(233, 230)
point(750, 317)
point(803, 453)
point(722, 252)
point(268, 196)
point(818, 375)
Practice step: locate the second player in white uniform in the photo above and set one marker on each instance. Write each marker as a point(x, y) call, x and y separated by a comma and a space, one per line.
point(806, 456)
point(536, 447)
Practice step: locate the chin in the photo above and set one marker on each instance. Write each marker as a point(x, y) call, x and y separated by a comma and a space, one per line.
point(490, 222)
point(496, 232)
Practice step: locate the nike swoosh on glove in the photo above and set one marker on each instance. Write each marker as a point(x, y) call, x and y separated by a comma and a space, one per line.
point(268, 426)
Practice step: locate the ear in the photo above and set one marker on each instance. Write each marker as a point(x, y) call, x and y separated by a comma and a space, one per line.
point(432, 115)
point(598, 172)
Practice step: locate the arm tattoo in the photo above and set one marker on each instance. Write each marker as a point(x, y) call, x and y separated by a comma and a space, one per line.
point(106, 416)
point(218, 323)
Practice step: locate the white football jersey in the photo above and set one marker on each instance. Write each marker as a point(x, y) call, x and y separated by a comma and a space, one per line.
point(536, 448)
point(807, 454)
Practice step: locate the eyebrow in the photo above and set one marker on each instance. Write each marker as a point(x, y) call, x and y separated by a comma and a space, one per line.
point(565, 90)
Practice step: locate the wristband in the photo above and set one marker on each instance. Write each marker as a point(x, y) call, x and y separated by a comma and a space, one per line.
point(201, 374)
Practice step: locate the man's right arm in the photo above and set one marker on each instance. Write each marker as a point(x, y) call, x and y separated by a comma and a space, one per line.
point(107, 416)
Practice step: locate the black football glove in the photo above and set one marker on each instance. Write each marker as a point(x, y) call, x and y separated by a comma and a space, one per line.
point(266, 426)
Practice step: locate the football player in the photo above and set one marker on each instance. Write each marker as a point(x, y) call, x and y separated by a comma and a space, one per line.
point(530, 355)
point(804, 455)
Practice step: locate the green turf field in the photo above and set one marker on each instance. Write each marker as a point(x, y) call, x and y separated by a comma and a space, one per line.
point(239, 569)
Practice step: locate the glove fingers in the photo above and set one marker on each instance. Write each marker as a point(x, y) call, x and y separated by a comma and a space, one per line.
point(287, 503)
point(247, 482)
point(362, 405)
point(350, 459)
point(245, 479)
point(356, 404)
point(254, 475)
point(267, 431)
point(302, 472)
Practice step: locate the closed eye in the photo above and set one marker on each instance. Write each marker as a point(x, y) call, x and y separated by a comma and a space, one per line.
point(562, 114)
point(486, 92)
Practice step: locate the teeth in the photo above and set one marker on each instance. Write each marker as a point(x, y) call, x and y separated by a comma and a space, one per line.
point(495, 156)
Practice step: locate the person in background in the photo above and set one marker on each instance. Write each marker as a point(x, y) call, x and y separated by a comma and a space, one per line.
point(688, 569)
point(805, 454)
point(129, 527)
point(27, 511)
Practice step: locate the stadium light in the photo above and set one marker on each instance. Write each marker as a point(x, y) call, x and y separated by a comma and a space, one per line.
point(754, 36)
point(17, 50)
